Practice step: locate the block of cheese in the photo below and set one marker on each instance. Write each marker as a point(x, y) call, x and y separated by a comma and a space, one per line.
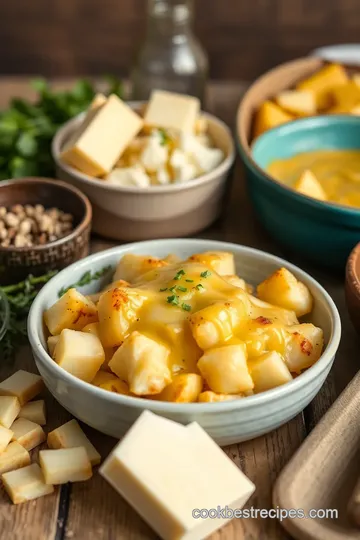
point(174, 111)
point(26, 484)
point(9, 409)
point(102, 137)
point(5, 437)
point(23, 385)
point(70, 435)
point(27, 433)
point(34, 411)
point(14, 457)
point(184, 470)
point(65, 465)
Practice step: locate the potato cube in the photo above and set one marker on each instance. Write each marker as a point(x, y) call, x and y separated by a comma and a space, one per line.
point(304, 347)
point(13, 457)
point(117, 386)
point(284, 290)
point(346, 96)
point(131, 267)
point(9, 409)
point(118, 309)
point(298, 102)
point(23, 385)
point(80, 354)
point(143, 364)
point(213, 397)
point(323, 81)
point(225, 369)
point(27, 433)
point(5, 437)
point(236, 281)
point(26, 484)
point(221, 262)
point(65, 465)
point(309, 185)
point(216, 323)
point(184, 388)
point(73, 311)
point(259, 308)
point(268, 116)
point(34, 411)
point(268, 371)
point(103, 377)
point(51, 342)
point(94, 328)
point(70, 435)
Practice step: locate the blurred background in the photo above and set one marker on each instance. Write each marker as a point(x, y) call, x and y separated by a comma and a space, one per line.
point(243, 38)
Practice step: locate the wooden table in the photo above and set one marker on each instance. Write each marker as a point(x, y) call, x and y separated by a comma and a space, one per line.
point(92, 510)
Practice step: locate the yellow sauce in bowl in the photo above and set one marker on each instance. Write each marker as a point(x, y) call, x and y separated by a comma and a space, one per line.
point(338, 172)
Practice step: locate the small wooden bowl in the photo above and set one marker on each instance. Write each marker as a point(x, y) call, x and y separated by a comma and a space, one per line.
point(17, 263)
point(352, 286)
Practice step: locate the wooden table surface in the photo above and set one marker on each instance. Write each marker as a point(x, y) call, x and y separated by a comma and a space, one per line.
point(92, 510)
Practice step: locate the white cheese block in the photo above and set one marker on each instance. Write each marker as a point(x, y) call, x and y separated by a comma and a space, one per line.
point(5, 437)
point(70, 435)
point(173, 111)
point(129, 176)
point(26, 484)
point(27, 433)
point(13, 457)
point(184, 470)
point(9, 409)
point(206, 159)
point(65, 465)
point(154, 155)
point(34, 411)
point(23, 385)
point(102, 137)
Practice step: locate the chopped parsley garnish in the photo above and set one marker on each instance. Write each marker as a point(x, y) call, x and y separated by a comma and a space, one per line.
point(172, 289)
point(179, 274)
point(164, 289)
point(165, 139)
point(199, 287)
point(182, 289)
point(189, 280)
point(174, 300)
point(186, 307)
point(205, 274)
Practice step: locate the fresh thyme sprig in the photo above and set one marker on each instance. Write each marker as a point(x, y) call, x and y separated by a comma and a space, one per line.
point(85, 279)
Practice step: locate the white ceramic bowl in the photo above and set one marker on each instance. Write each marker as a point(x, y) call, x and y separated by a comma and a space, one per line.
point(228, 422)
point(132, 213)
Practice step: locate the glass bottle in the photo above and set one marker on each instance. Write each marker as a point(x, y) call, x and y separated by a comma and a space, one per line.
point(171, 57)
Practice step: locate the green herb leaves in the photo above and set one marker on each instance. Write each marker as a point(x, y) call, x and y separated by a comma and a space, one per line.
point(85, 279)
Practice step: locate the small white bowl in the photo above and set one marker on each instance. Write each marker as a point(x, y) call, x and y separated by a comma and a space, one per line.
point(228, 422)
point(132, 213)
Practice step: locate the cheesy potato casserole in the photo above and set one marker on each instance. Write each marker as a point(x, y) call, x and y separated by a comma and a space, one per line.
point(185, 331)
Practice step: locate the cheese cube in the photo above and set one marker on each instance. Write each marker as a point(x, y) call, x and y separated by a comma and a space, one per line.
point(9, 409)
point(23, 385)
point(5, 437)
point(26, 484)
point(268, 371)
point(34, 411)
point(27, 433)
point(13, 457)
point(65, 465)
point(100, 140)
point(174, 111)
point(51, 342)
point(70, 435)
point(184, 470)
point(79, 353)
point(73, 310)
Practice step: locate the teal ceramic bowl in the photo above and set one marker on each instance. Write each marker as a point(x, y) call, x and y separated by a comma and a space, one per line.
point(322, 232)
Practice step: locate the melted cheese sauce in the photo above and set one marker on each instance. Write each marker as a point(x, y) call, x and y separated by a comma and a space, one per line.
point(261, 327)
point(338, 172)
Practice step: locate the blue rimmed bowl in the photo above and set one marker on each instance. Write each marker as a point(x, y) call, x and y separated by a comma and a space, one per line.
point(323, 232)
